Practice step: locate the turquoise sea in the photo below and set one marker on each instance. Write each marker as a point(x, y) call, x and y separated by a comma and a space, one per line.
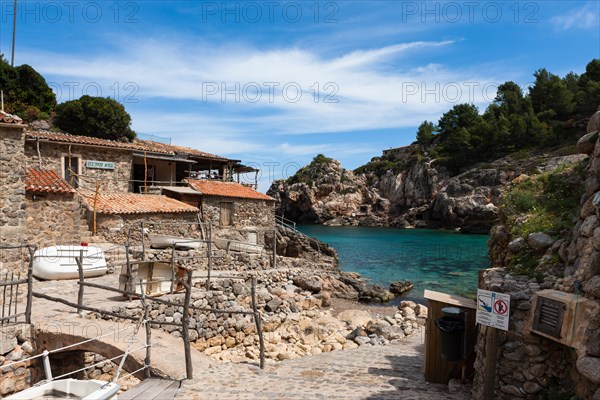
point(439, 260)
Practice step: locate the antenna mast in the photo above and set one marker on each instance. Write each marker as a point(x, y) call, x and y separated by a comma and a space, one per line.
point(12, 58)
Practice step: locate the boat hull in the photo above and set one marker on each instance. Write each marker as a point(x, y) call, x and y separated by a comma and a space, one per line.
point(70, 388)
point(58, 262)
point(233, 245)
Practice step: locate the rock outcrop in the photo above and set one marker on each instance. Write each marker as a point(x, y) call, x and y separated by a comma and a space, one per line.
point(420, 194)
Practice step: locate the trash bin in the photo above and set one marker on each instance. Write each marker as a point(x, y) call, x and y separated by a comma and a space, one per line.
point(451, 336)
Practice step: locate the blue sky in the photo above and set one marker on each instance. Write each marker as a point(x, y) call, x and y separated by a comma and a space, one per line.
point(273, 83)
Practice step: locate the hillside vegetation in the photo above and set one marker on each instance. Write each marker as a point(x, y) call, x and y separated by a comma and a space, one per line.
point(551, 115)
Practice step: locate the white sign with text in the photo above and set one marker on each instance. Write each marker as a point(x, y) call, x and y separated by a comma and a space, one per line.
point(493, 309)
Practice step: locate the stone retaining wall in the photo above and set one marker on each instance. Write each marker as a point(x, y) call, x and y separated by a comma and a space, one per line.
point(16, 344)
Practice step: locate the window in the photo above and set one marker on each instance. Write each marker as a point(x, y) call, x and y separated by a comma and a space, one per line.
point(226, 214)
point(71, 170)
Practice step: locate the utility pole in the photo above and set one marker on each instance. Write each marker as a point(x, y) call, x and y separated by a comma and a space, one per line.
point(12, 57)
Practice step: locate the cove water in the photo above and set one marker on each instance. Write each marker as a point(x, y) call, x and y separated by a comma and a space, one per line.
point(443, 261)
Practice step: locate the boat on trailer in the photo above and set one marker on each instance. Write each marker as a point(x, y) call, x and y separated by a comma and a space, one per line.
point(59, 262)
point(70, 389)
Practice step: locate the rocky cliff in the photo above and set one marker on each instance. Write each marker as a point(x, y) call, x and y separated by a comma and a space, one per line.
point(411, 191)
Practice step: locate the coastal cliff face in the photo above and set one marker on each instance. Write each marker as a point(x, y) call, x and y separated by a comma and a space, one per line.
point(413, 192)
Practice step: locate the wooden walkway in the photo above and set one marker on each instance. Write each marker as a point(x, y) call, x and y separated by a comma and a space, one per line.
point(152, 389)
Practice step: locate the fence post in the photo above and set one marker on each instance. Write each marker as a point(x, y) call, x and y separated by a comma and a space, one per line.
point(189, 371)
point(79, 262)
point(274, 248)
point(32, 250)
point(209, 250)
point(172, 268)
point(130, 285)
point(143, 241)
point(258, 322)
point(148, 330)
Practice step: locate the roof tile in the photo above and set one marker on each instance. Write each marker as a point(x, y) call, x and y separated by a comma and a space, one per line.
point(46, 181)
point(227, 189)
point(137, 145)
point(7, 118)
point(130, 203)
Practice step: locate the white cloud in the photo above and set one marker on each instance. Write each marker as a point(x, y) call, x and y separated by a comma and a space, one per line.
point(586, 17)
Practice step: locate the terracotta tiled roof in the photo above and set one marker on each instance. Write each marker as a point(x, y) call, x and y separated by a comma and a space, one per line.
point(136, 145)
point(171, 148)
point(130, 203)
point(227, 189)
point(46, 181)
point(7, 118)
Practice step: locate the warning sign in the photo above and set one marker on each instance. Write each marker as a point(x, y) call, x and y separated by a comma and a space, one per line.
point(493, 309)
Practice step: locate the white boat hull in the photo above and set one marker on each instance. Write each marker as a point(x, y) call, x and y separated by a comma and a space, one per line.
point(58, 262)
point(69, 389)
point(165, 241)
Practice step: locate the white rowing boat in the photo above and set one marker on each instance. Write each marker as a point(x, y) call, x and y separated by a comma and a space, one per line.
point(58, 262)
point(165, 241)
point(69, 389)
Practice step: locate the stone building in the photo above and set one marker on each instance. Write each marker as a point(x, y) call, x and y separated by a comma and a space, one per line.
point(399, 152)
point(64, 189)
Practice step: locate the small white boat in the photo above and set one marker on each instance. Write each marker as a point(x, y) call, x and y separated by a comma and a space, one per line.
point(155, 277)
point(58, 262)
point(70, 389)
point(235, 245)
point(165, 241)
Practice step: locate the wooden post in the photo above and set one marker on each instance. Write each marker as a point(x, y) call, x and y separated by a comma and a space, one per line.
point(189, 371)
point(172, 268)
point(130, 283)
point(274, 248)
point(29, 285)
point(209, 250)
point(258, 322)
point(79, 262)
point(148, 330)
point(95, 200)
point(489, 378)
point(143, 241)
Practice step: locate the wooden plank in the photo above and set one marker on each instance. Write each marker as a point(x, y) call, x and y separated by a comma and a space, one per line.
point(150, 389)
point(449, 299)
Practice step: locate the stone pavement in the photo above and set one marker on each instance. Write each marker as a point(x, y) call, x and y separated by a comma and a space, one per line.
point(366, 373)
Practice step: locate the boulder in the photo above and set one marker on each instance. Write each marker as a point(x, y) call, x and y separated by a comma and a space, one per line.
point(594, 122)
point(539, 241)
point(587, 143)
point(355, 318)
point(7, 343)
point(311, 283)
point(590, 368)
point(517, 245)
point(401, 287)
point(273, 305)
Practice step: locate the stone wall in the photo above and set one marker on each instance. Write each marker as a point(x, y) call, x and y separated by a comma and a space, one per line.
point(247, 212)
point(55, 219)
point(12, 193)
point(16, 344)
point(116, 180)
point(531, 366)
point(114, 228)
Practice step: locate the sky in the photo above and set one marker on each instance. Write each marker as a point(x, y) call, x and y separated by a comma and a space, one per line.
point(273, 83)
